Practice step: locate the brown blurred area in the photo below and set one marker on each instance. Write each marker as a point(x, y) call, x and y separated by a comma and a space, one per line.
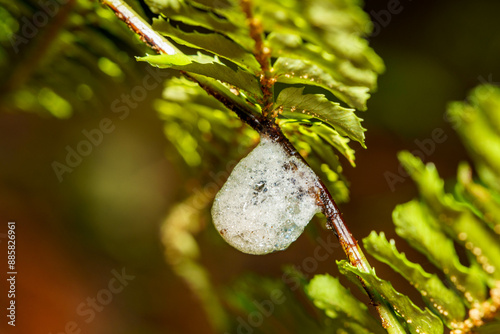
point(106, 214)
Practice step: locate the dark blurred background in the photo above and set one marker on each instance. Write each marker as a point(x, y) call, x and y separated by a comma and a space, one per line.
point(106, 214)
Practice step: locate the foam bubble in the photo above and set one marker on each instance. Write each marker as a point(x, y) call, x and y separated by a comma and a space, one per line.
point(267, 201)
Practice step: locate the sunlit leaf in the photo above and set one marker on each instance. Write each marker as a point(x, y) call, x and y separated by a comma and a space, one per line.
point(441, 300)
point(415, 224)
point(319, 156)
point(294, 71)
point(342, 119)
point(482, 199)
point(206, 66)
point(292, 46)
point(486, 98)
point(417, 320)
point(213, 42)
point(337, 27)
point(187, 13)
point(455, 218)
point(478, 124)
point(252, 296)
point(338, 303)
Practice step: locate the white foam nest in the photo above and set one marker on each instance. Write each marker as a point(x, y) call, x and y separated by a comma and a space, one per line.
point(267, 201)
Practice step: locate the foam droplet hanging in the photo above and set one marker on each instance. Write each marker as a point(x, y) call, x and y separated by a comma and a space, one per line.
point(267, 201)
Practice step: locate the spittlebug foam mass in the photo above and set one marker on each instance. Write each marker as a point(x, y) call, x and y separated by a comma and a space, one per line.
point(267, 201)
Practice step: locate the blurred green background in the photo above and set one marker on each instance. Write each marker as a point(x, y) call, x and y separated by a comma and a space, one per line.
point(106, 213)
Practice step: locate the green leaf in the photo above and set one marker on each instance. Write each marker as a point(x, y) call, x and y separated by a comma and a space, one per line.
point(455, 218)
point(329, 295)
point(292, 46)
point(215, 4)
point(441, 300)
point(318, 155)
point(229, 10)
point(416, 225)
point(295, 71)
point(319, 21)
point(209, 67)
point(487, 99)
point(212, 42)
point(417, 320)
point(342, 119)
point(345, 16)
point(348, 46)
point(483, 200)
point(335, 139)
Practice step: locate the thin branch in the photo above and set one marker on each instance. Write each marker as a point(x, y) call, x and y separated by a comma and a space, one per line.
point(263, 56)
point(265, 126)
